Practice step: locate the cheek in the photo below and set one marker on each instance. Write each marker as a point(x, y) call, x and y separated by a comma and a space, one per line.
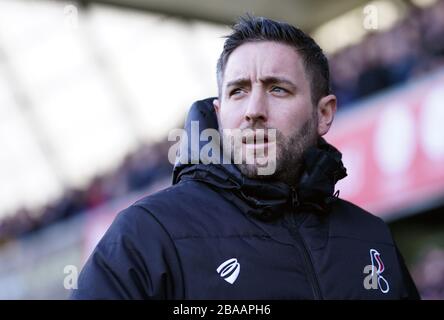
point(230, 117)
point(291, 119)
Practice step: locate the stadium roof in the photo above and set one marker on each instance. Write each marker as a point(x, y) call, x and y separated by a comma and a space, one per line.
point(306, 14)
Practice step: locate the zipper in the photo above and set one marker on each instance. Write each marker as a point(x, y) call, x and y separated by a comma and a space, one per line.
point(293, 227)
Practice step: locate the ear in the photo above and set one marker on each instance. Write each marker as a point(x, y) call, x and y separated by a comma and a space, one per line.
point(326, 113)
point(216, 105)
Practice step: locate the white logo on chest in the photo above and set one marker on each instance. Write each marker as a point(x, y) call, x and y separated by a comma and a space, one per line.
point(229, 270)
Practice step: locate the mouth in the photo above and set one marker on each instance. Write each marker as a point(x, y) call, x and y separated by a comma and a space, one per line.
point(255, 139)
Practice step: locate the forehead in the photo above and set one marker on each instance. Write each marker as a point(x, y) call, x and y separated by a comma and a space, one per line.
point(264, 58)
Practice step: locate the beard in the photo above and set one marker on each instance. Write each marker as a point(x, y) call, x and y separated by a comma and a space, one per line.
point(289, 154)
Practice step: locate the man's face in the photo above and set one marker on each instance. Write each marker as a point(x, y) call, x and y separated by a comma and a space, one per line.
point(265, 86)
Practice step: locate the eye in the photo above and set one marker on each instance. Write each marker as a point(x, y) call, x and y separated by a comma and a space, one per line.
point(235, 91)
point(279, 90)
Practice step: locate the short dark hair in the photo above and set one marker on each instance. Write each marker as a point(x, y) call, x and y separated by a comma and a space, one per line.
point(251, 29)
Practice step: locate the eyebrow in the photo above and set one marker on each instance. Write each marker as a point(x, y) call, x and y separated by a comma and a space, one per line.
point(242, 82)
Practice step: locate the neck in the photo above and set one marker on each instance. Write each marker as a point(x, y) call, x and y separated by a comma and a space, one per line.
point(289, 175)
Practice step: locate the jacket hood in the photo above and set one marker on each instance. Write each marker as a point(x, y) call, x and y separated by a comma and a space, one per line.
point(321, 169)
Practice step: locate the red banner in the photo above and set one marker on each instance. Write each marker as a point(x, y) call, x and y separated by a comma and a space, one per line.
point(393, 148)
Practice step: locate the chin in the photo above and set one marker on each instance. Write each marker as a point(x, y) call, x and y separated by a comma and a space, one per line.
point(251, 171)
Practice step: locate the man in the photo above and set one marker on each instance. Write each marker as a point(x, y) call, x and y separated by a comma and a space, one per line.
point(224, 231)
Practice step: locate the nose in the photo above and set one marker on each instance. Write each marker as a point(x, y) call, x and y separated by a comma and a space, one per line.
point(256, 109)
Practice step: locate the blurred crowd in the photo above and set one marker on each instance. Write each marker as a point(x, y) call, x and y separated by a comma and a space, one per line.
point(412, 47)
point(138, 171)
point(428, 274)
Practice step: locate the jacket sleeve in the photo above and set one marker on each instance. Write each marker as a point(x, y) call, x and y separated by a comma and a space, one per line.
point(135, 259)
point(411, 292)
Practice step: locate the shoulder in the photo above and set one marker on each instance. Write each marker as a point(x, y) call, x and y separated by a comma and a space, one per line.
point(180, 195)
point(192, 209)
point(151, 218)
point(131, 227)
point(350, 220)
